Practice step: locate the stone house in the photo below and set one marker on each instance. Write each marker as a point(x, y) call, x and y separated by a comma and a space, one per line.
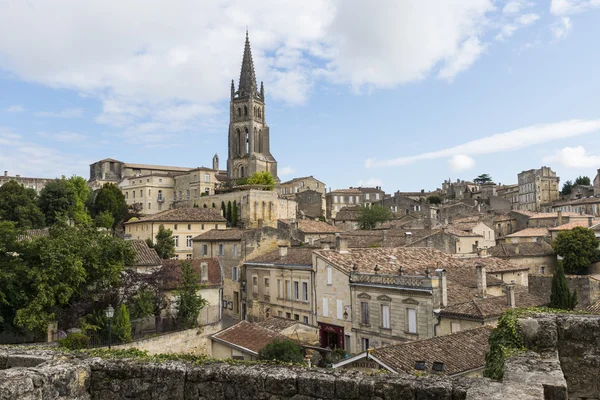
point(36, 184)
point(459, 190)
point(578, 223)
point(451, 241)
point(280, 283)
point(537, 187)
point(531, 235)
point(597, 183)
point(153, 192)
point(401, 205)
point(509, 193)
point(463, 355)
point(146, 259)
point(479, 228)
point(347, 218)
point(311, 204)
point(196, 183)
point(185, 223)
point(449, 211)
point(503, 225)
point(242, 341)
point(538, 256)
point(308, 231)
point(588, 205)
point(291, 188)
point(419, 196)
point(337, 199)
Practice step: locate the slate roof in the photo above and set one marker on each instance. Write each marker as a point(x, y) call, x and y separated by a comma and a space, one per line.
point(524, 250)
point(221, 235)
point(144, 255)
point(173, 271)
point(530, 232)
point(460, 352)
point(295, 256)
point(310, 226)
point(248, 336)
point(192, 214)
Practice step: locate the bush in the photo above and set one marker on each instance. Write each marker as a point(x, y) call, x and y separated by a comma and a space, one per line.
point(75, 341)
point(284, 350)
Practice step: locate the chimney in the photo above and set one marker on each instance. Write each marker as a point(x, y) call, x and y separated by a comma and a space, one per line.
point(510, 294)
point(283, 251)
point(384, 235)
point(517, 249)
point(443, 286)
point(408, 236)
point(341, 244)
point(481, 281)
point(560, 219)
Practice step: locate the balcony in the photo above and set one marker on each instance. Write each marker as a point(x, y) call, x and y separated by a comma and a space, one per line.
point(160, 199)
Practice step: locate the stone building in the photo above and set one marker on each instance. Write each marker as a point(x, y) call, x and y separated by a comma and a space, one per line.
point(340, 198)
point(450, 241)
point(311, 204)
point(459, 190)
point(36, 184)
point(401, 205)
point(154, 192)
point(249, 140)
point(290, 188)
point(196, 183)
point(509, 193)
point(597, 183)
point(588, 205)
point(537, 187)
point(307, 231)
point(347, 218)
point(539, 257)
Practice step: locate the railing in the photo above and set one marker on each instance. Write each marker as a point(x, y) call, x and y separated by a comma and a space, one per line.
point(391, 280)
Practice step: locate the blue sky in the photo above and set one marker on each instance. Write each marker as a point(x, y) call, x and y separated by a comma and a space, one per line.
point(392, 93)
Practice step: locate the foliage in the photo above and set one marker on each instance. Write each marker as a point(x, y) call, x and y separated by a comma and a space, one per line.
point(110, 199)
point(561, 297)
point(223, 209)
point(369, 217)
point(150, 243)
point(165, 246)
point(104, 220)
point(242, 181)
point(134, 210)
point(234, 214)
point(121, 325)
point(262, 178)
point(229, 212)
point(578, 248)
point(57, 200)
point(142, 304)
point(79, 212)
point(284, 350)
point(583, 180)
point(189, 301)
point(75, 341)
point(434, 199)
point(505, 341)
point(481, 179)
point(19, 205)
point(567, 188)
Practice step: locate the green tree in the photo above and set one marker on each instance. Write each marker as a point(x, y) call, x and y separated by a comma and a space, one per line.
point(567, 188)
point(560, 296)
point(110, 198)
point(57, 200)
point(434, 199)
point(229, 212)
point(189, 302)
point(165, 245)
point(79, 212)
point(583, 180)
point(223, 209)
point(19, 205)
point(369, 217)
point(104, 220)
point(121, 325)
point(578, 248)
point(234, 214)
point(481, 179)
point(284, 350)
point(262, 178)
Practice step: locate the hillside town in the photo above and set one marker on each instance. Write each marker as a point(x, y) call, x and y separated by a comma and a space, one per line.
point(227, 260)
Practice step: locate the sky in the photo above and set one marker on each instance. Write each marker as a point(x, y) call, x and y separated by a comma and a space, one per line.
point(399, 94)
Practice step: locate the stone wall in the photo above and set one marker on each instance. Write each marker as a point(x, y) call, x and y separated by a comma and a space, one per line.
point(588, 288)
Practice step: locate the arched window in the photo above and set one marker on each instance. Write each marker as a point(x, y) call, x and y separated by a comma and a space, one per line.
point(247, 142)
point(239, 112)
point(242, 171)
point(259, 112)
point(238, 142)
point(260, 141)
point(256, 141)
point(245, 111)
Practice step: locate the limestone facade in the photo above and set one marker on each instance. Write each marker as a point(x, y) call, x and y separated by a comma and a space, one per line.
point(537, 187)
point(36, 184)
point(153, 192)
point(289, 189)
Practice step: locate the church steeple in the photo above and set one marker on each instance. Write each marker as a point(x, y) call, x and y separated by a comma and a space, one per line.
point(247, 84)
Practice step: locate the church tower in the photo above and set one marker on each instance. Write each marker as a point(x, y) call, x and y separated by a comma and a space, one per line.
point(249, 147)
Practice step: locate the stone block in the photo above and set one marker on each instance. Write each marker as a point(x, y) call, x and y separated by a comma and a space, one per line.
point(281, 382)
point(319, 385)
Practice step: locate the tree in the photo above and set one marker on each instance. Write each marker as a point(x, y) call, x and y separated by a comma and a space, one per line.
point(121, 325)
point(189, 302)
point(369, 217)
point(434, 199)
point(57, 200)
point(561, 297)
point(134, 210)
point(234, 214)
point(110, 198)
point(262, 178)
point(165, 246)
point(79, 212)
point(223, 209)
point(284, 350)
point(104, 220)
point(19, 205)
point(229, 212)
point(583, 180)
point(481, 179)
point(567, 188)
point(578, 248)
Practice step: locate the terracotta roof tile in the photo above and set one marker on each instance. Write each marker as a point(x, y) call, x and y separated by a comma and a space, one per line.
point(530, 232)
point(503, 250)
point(594, 308)
point(173, 270)
point(310, 226)
point(348, 213)
point(277, 324)
point(346, 191)
point(222, 234)
point(295, 256)
point(144, 255)
point(192, 214)
point(460, 352)
point(583, 223)
point(555, 215)
point(248, 335)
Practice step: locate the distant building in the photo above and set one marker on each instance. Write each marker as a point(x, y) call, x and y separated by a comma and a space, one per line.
point(537, 187)
point(290, 188)
point(359, 196)
point(36, 184)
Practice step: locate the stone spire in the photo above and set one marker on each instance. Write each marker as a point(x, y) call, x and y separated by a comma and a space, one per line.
point(247, 84)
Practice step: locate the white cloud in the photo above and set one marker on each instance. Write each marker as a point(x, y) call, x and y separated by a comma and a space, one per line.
point(63, 136)
point(561, 28)
point(66, 113)
point(285, 171)
point(521, 21)
point(460, 162)
point(573, 157)
point(469, 51)
point(15, 109)
point(512, 140)
point(371, 182)
point(515, 6)
point(565, 7)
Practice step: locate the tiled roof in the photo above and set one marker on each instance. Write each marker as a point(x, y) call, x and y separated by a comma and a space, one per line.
point(348, 213)
point(310, 226)
point(493, 265)
point(460, 352)
point(555, 215)
point(524, 249)
point(192, 214)
point(452, 230)
point(173, 271)
point(295, 256)
point(277, 324)
point(524, 212)
point(530, 232)
point(221, 234)
point(144, 255)
point(163, 167)
point(492, 306)
point(377, 237)
point(583, 223)
point(300, 179)
point(467, 220)
point(502, 218)
point(248, 336)
point(594, 308)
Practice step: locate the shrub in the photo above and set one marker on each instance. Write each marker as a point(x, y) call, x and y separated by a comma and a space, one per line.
point(75, 341)
point(284, 350)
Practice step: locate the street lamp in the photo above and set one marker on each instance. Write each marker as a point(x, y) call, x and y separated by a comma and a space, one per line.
point(110, 312)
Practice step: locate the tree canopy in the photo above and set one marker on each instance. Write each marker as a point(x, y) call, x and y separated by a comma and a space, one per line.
point(567, 188)
point(110, 198)
point(434, 199)
point(481, 179)
point(262, 178)
point(560, 296)
point(57, 200)
point(19, 205)
point(578, 249)
point(164, 246)
point(284, 350)
point(189, 302)
point(583, 180)
point(79, 212)
point(369, 217)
